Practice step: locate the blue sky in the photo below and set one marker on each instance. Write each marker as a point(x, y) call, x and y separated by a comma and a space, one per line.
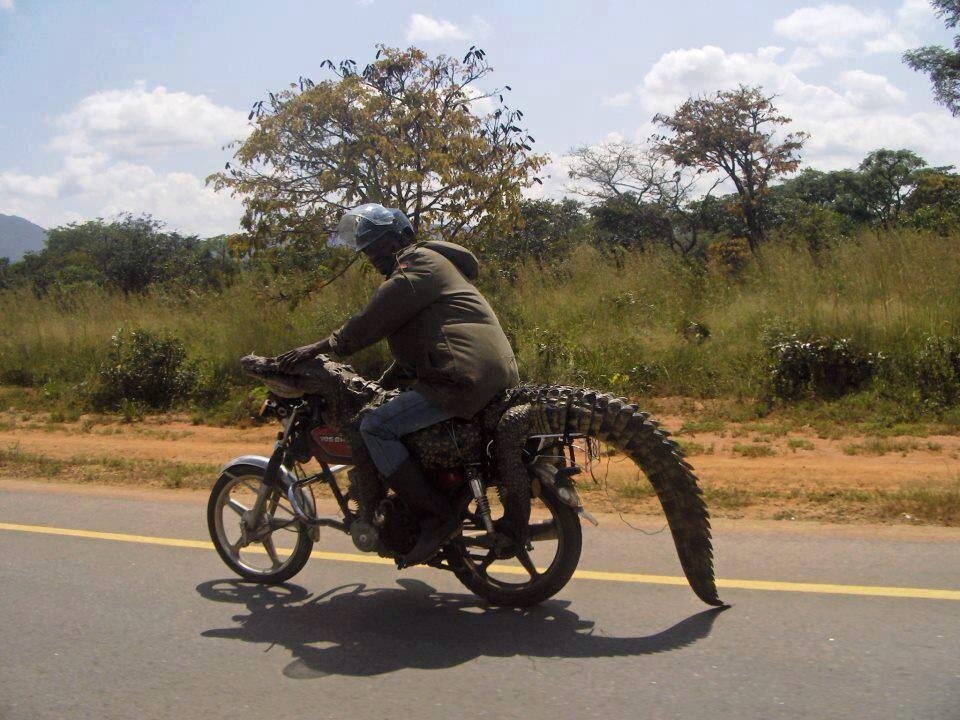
point(125, 106)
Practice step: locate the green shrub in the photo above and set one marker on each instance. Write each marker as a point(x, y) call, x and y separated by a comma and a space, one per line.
point(143, 368)
point(19, 374)
point(212, 386)
point(822, 367)
point(938, 371)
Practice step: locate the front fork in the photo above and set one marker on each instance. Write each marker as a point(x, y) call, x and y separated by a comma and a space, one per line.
point(268, 497)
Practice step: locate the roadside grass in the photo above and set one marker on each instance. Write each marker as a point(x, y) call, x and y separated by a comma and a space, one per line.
point(714, 426)
point(915, 503)
point(835, 496)
point(924, 504)
point(729, 498)
point(860, 414)
point(17, 463)
point(29, 464)
point(754, 451)
point(883, 446)
point(95, 424)
point(636, 490)
point(689, 447)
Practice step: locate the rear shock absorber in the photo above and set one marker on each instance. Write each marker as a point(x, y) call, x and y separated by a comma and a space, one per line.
point(480, 495)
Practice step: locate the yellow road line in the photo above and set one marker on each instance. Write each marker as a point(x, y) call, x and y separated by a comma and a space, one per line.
point(768, 585)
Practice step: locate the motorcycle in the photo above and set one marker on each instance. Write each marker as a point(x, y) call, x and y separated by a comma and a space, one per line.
point(510, 473)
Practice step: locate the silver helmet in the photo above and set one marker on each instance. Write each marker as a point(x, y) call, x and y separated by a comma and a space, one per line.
point(365, 224)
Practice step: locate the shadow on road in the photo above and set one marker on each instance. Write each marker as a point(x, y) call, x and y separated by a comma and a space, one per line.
point(353, 630)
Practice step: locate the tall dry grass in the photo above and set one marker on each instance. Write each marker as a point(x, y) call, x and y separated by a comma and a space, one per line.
point(613, 324)
point(625, 325)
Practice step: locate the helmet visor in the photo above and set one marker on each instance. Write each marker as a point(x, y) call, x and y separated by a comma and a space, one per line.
point(373, 213)
point(347, 230)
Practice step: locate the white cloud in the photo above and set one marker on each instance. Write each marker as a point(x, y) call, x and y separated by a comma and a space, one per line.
point(891, 42)
point(138, 121)
point(7, 5)
point(479, 26)
point(917, 13)
point(29, 186)
point(619, 100)
point(93, 186)
point(103, 141)
point(870, 92)
point(555, 177)
point(831, 31)
point(679, 74)
point(427, 29)
point(863, 112)
point(480, 103)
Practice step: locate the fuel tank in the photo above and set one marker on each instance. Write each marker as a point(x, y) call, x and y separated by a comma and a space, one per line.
point(330, 447)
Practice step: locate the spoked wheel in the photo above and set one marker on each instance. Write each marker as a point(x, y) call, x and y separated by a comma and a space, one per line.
point(270, 551)
point(532, 574)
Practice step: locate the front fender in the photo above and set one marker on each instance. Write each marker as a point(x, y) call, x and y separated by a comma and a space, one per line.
point(261, 462)
point(285, 476)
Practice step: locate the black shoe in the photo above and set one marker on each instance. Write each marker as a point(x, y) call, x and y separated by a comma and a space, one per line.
point(439, 520)
point(416, 491)
point(434, 532)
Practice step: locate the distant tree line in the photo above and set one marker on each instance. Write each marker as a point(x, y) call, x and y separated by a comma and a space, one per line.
point(129, 254)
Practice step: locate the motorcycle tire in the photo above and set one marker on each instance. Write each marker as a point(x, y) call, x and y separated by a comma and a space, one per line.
point(280, 571)
point(551, 581)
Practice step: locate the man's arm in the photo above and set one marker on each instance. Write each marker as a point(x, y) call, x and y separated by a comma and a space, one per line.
point(404, 294)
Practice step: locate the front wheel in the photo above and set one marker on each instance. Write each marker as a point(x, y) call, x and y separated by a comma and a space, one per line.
point(270, 550)
point(533, 575)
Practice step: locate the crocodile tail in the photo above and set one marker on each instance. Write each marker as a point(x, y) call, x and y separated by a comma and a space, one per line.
point(621, 424)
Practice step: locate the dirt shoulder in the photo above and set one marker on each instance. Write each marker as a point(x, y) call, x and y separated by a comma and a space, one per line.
point(746, 473)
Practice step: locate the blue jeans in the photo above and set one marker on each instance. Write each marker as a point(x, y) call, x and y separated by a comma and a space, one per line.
point(383, 427)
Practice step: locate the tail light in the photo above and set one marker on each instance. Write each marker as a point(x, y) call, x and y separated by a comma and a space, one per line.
point(449, 479)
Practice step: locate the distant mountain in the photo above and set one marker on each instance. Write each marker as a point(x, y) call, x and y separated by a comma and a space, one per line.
point(18, 236)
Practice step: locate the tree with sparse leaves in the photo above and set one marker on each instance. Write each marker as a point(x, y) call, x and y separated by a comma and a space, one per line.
point(642, 195)
point(733, 132)
point(409, 131)
point(939, 63)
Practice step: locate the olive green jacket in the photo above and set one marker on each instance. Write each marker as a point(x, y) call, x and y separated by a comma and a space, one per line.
point(445, 337)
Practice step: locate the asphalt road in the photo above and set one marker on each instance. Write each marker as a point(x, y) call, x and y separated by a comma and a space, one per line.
point(104, 628)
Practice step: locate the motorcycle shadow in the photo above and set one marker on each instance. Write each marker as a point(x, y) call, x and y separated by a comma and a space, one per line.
point(359, 631)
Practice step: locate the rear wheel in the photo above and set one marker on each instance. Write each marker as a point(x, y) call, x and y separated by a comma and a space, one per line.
point(272, 551)
point(533, 574)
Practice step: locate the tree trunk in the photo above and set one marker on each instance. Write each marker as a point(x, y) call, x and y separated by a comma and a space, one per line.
point(752, 219)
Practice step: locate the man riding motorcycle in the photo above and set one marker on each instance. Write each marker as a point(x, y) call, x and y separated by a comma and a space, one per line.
point(451, 356)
